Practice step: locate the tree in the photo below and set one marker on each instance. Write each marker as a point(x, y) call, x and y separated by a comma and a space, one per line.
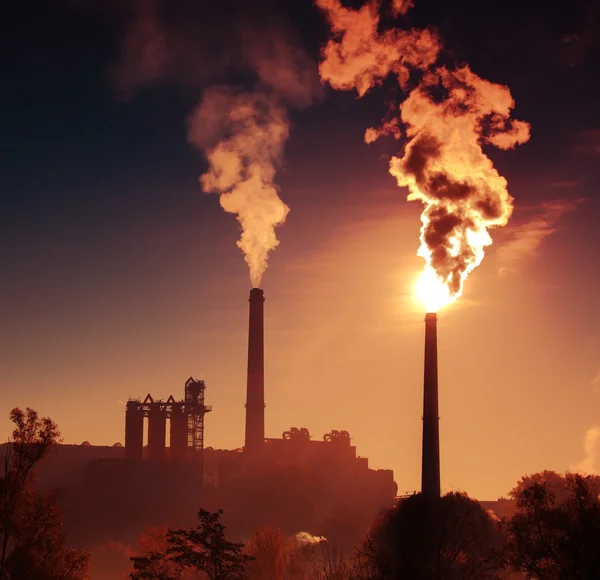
point(206, 549)
point(40, 550)
point(270, 554)
point(152, 560)
point(555, 533)
point(445, 538)
point(327, 562)
point(33, 543)
point(203, 549)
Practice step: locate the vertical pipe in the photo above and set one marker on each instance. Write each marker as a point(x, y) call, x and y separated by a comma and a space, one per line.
point(157, 432)
point(134, 431)
point(430, 469)
point(255, 387)
point(179, 434)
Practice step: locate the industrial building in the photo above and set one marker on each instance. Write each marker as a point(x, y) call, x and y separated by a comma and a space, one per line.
point(164, 473)
point(186, 419)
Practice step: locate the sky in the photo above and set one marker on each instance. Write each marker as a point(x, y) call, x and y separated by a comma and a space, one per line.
point(121, 277)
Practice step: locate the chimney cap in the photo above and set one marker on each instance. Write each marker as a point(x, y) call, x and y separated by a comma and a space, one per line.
point(256, 294)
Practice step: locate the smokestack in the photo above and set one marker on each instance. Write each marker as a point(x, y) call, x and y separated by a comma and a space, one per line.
point(255, 394)
point(430, 469)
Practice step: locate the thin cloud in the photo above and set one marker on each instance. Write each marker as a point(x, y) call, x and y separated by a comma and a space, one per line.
point(145, 55)
point(163, 45)
point(567, 184)
point(588, 142)
point(596, 380)
point(591, 447)
point(527, 238)
point(159, 46)
point(576, 46)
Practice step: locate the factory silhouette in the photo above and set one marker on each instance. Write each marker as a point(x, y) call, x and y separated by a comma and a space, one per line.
point(295, 482)
point(187, 422)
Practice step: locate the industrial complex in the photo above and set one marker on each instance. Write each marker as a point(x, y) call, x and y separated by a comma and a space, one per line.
point(186, 429)
point(296, 482)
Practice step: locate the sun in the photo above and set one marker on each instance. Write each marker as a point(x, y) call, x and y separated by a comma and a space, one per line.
point(432, 291)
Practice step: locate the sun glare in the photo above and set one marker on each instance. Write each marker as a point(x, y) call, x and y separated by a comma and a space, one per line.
point(432, 291)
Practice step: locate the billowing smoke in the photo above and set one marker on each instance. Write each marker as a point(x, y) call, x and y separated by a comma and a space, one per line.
point(242, 135)
point(401, 7)
point(358, 57)
point(241, 130)
point(306, 539)
point(445, 167)
point(446, 119)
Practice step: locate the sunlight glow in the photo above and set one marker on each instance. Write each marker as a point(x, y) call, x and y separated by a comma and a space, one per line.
point(432, 291)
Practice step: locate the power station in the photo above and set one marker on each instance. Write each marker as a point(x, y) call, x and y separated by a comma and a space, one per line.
point(221, 467)
point(165, 472)
point(187, 419)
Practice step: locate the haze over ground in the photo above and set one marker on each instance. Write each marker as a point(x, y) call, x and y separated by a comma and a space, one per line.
point(120, 277)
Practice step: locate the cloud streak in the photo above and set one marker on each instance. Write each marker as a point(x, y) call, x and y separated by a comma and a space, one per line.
point(527, 238)
point(596, 380)
point(588, 142)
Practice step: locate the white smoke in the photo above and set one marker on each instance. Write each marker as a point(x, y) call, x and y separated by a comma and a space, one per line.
point(242, 136)
point(306, 539)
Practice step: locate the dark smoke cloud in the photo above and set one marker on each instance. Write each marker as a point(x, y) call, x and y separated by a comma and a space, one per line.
point(445, 121)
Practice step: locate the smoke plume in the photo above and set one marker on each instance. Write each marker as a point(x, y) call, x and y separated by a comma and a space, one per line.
point(358, 57)
point(591, 446)
point(241, 130)
point(304, 538)
point(242, 136)
point(445, 120)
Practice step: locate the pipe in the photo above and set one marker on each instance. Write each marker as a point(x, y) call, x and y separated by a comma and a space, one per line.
point(255, 386)
point(157, 434)
point(134, 431)
point(179, 434)
point(430, 469)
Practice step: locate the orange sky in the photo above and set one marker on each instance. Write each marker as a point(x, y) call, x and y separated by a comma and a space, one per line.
point(120, 277)
point(344, 342)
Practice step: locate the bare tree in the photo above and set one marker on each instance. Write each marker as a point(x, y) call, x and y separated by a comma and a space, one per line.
point(270, 551)
point(33, 543)
point(327, 562)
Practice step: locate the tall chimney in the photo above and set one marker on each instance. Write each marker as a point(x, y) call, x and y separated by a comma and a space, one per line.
point(255, 393)
point(430, 468)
